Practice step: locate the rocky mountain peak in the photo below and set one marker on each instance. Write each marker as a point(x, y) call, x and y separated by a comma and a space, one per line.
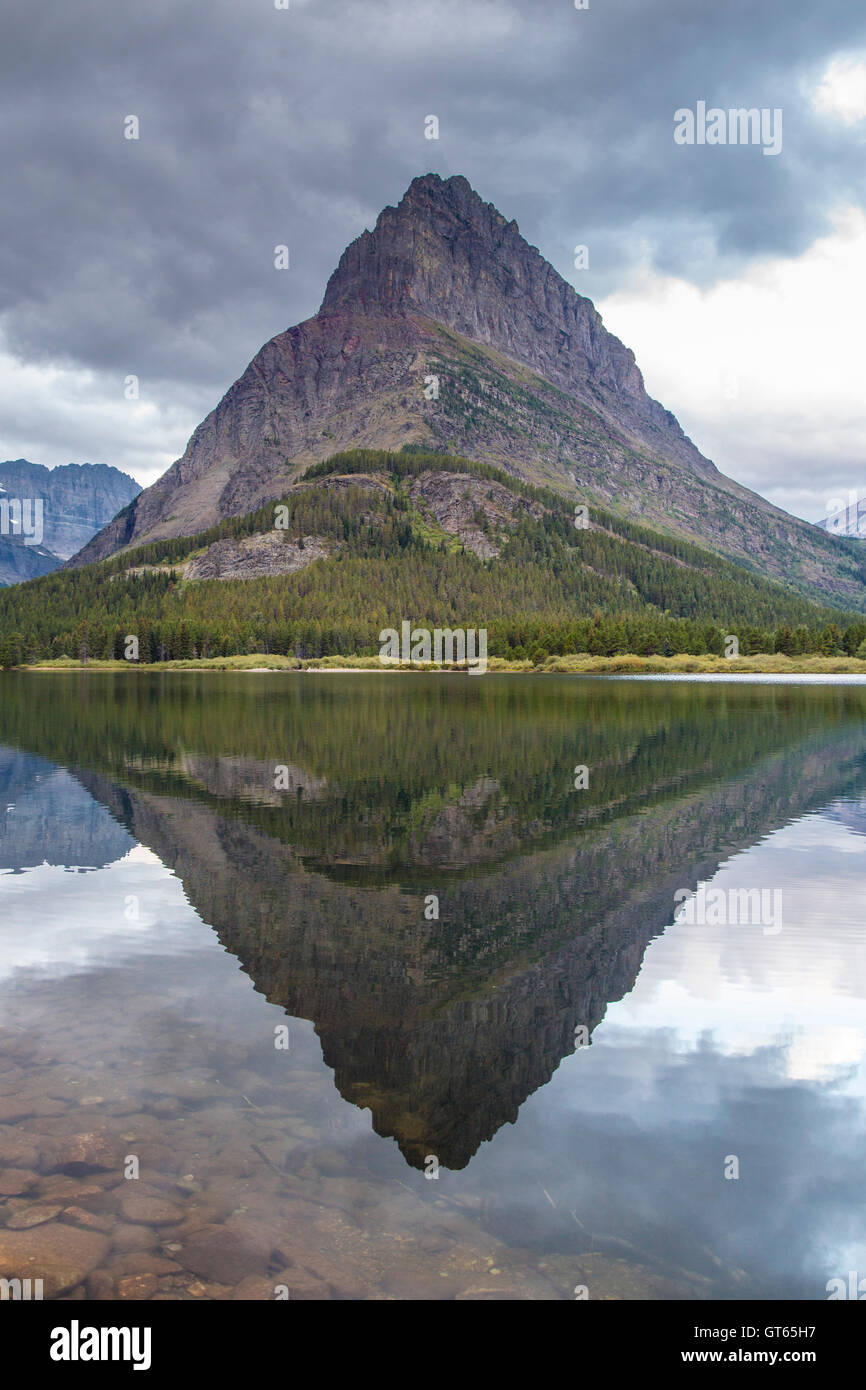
point(445, 253)
point(416, 248)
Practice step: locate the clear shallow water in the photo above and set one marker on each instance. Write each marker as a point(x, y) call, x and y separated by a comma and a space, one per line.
point(164, 908)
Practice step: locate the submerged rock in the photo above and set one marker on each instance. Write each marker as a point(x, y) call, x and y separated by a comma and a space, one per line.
point(14, 1182)
point(143, 1209)
point(219, 1254)
point(92, 1149)
point(29, 1216)
point(60, 1255)
point(137, 1286)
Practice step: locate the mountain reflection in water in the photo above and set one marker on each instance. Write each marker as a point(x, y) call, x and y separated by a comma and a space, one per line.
point(431, 899)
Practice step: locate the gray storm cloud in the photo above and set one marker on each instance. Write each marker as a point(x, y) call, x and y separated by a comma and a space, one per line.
point(261, 126)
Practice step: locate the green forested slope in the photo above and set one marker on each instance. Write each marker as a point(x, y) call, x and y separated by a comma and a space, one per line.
point(613, 587)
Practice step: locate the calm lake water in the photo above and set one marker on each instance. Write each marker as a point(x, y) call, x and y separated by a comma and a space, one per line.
point(378, 1003)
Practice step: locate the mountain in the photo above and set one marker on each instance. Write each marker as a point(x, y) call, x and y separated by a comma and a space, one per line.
point(445, 293)
point(19, 561)
point(78, 499)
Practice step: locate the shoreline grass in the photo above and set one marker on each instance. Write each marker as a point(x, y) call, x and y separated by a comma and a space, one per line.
point(577, 664)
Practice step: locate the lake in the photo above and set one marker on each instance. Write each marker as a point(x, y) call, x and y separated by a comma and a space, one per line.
point(392, 986)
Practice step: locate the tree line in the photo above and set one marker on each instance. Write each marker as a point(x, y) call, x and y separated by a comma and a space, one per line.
point(553, 589)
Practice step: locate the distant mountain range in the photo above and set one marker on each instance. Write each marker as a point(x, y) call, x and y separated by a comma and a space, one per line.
point(77, 499)
point(444, 329)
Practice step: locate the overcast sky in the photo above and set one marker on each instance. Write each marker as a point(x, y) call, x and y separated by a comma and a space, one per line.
point(737, 277)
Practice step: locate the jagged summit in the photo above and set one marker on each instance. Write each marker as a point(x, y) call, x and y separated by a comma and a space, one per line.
point(383, 268)
point(445, 253)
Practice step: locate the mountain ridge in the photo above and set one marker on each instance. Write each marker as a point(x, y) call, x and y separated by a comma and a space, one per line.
point(78, 499)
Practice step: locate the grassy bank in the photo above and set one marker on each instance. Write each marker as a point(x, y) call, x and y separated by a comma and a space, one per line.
point(580, 664)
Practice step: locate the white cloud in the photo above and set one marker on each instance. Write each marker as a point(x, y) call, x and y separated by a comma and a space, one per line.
point(55, 922)
point(764, 371)
point(842, 90)
point(55, 414)
point(802, 988)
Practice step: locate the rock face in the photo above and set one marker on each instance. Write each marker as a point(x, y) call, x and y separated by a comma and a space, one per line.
point(456, 502)
point(255, 557)
point(447, 255)
point(444, 328)
point(78, 499)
